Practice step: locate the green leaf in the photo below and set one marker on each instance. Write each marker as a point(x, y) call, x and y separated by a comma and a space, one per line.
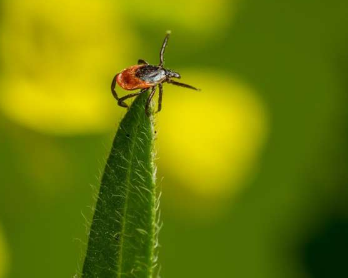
point(122, 237)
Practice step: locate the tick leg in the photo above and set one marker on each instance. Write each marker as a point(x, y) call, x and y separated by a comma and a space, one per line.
point(121, 100)
point(182, 85)
point(160, 94)
point(113, 86)
point(153, 91)
point(142, 62)
point(163, 48)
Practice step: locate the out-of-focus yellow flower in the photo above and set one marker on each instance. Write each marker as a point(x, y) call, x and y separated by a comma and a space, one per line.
point(57, 57)
point(4, 259)
point(203, 16)
point(209, 141)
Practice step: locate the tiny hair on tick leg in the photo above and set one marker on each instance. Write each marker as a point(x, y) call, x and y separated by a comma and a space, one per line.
point(143, 77)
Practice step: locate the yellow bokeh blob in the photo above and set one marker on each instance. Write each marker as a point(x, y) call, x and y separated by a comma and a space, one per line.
point(209, 141)
point(4, 259)
point(58, 60)
point(199, 16)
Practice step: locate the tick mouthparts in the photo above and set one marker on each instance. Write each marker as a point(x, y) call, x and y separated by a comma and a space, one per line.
point(172, 74)
point(176, 75)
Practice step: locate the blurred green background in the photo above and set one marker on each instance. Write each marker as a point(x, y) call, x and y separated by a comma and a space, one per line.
point(253, 169)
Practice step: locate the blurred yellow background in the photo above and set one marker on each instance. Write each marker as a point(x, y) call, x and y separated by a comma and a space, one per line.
point(252, 168)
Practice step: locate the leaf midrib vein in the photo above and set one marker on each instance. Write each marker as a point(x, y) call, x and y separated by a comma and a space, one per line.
point(127, 198)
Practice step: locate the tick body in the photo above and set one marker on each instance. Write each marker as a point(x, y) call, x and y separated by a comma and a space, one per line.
point(140, 77)
point(144, 76)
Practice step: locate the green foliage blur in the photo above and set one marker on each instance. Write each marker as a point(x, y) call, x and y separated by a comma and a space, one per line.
point(253, 169)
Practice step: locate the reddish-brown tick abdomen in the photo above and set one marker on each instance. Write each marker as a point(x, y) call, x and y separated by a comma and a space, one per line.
point(128, 80)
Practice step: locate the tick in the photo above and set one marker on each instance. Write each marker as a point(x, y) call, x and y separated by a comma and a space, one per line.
point(144, 76)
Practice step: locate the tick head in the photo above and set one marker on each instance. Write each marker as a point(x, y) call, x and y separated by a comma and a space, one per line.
point(172, 74)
